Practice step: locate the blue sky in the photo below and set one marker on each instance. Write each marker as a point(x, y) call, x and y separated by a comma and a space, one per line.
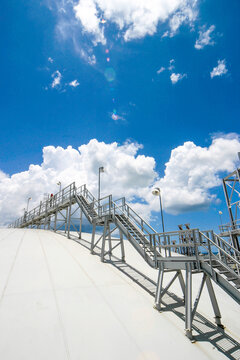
point(44, 40)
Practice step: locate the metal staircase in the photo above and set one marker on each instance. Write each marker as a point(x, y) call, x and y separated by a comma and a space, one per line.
point(193, 251)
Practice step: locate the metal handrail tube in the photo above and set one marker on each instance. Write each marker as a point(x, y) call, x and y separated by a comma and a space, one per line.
point(221, 262)
point(227, 244)
point(217, 246)
point(141, 219)
point(129, 215)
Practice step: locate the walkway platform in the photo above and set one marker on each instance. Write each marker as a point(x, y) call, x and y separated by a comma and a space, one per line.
point(59, 302)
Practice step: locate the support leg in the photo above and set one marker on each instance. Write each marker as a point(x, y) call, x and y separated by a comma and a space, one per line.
point(93, 236)
point(55, 222)
point(104, 240)
point(198, 295)
point(158, 296)
point(80, 225)
point(69, 221)
point(188, 301)
point(122, 245)
point(66, 219)
point(182, 283)
point(214, 303)
point(109, 242)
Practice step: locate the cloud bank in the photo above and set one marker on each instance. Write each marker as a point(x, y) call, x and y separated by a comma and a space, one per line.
point(134, 19)
point(190, 175)
point(88, 22)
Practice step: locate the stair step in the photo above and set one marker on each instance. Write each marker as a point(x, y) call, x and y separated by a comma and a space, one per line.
point(232, 278)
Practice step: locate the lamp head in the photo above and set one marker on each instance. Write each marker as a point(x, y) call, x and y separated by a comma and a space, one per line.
point(156, 191)
point(101, 169)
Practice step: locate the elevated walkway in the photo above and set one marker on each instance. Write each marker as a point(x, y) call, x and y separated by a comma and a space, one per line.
point(193, 251)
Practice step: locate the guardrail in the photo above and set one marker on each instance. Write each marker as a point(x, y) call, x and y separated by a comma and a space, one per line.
point(45, 206)
point(203, 245)
point(227, 228)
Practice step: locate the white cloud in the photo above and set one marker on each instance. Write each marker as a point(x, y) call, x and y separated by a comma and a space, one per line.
point(161, 70)
point(171, 65)
point(133, 19)
point(91, 59)
point(50, 60)
point(74, 83)
point(190, 175)
point(204, 38)
point(220, 69)
point(176, 77)
point(116, 117)
point(57, 77)
point(126, 174)
point(193, 170)
point(187, 13)
point(86, 12)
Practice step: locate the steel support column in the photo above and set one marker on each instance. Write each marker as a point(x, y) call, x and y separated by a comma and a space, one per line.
point(80, 224)
point(214, 302)
point(158, 296)
point(122, 245)
point(188, 301)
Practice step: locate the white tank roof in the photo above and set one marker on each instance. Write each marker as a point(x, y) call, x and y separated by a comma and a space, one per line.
point(59, 302)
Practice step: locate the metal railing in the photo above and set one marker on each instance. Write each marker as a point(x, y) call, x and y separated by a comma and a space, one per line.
point(227, 228)
point(205, 245)
point(120, 207)
point(202, 245)
point(224, 253)
point(46, 206)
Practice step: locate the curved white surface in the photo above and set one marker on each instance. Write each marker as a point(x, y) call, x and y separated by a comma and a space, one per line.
point(59, 302)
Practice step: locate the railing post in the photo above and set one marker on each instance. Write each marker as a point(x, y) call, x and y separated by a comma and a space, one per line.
point(188, 301)
point(195, 239)
point(110, 204)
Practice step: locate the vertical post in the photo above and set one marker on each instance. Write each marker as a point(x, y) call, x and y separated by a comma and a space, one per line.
point(104, 240)
point(93, 236)
point(55, 221)
point(182, 284)
point(188, 301)
point(49, 221)
point(100, 170)
point(158, 296)
point(66, 218)
point(122, 245)
point(160, 199)
point(69, 219)
point(109, 242)
point(80, 225)
point(233, 224)
point(214, 302)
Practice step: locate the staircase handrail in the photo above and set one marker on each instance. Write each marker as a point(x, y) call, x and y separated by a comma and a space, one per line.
point(115, 206)
point(179, 240)
point(227, 244)
point(56, 200)
point(220, 252)
point(128, 210)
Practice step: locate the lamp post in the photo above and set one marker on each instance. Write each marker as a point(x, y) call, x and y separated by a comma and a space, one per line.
point(220, 215)
point(100, 170)
point(157, 192)
point(60, 185)
point(28, 203)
